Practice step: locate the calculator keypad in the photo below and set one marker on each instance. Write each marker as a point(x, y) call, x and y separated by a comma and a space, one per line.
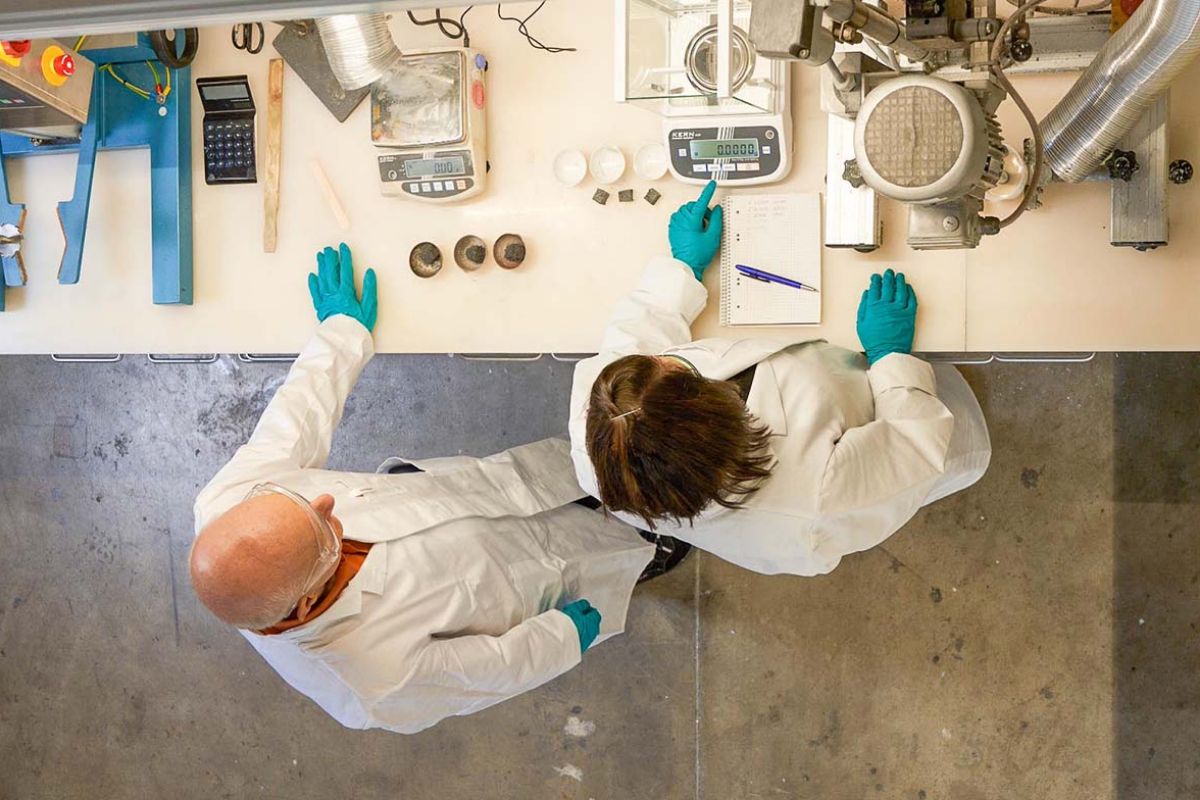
point(229, 150)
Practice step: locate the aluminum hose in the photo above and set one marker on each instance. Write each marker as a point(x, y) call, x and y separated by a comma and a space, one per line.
point(1133, 68)
point(360, 47)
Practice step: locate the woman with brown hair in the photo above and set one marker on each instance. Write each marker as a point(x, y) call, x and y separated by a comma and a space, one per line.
point(778, 456)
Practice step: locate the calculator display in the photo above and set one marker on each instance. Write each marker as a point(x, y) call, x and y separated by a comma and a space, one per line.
point(225, 91)
point(434, 167)
point(706, 149)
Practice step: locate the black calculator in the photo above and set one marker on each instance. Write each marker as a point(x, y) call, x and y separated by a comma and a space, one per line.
point(228, 130)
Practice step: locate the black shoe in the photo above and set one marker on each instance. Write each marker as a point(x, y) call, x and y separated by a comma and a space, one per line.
point(669, 553)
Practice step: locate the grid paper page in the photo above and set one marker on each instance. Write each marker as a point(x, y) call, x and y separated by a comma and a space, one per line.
point(777, 233)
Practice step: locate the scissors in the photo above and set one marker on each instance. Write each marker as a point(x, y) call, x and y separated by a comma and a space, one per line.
point(243, 37)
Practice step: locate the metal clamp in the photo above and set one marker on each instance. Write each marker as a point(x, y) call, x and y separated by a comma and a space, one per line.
point(87, 358)
point(172, 358)
point(267, 358)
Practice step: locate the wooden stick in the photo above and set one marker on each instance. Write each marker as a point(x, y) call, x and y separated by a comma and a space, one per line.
point(331, 199)
point(274, 155)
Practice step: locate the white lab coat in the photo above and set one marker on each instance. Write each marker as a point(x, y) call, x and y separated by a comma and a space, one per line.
point(856, 451)
point(453, 609)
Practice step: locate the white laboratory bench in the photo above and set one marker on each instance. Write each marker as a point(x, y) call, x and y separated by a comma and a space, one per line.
point(1049, 283)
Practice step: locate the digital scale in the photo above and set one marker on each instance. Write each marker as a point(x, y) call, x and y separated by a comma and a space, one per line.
point(746, 152)
point(725, 109)
point(428, 120)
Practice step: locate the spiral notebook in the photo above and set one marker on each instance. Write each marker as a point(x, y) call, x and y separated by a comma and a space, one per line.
point(777, 233)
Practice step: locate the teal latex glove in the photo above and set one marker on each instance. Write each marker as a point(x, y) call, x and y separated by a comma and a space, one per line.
point(692, 241)
point(587, 622)
point(332, 288)
point(887, 316)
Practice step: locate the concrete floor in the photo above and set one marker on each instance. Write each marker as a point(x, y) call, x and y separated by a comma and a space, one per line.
point(1035, 637)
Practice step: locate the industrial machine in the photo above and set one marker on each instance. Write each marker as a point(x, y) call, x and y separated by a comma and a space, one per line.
point(100, 93)
point(45, 90)
point(912, 110)
point(725, 107)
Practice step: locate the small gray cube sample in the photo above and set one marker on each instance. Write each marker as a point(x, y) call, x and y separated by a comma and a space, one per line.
point(653, 196)
point(625, 195)
point(600, 196)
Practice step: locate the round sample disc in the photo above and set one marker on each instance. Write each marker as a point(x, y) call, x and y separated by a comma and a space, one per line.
point(470, 252)
point(425, 260)
point(509, 251)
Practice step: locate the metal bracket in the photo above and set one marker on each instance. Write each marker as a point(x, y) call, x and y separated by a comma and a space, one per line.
point(1044, 358)
point(851, 214)
point(267, 358)
point(87, 358)
point(1060, 44)
point(300, 45)
point(958, 359)
point(1139, 205)
point(185, 358)
point(497, 356)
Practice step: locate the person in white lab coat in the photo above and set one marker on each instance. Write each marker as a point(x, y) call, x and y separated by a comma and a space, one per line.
point(396, 600)
point(780, 456)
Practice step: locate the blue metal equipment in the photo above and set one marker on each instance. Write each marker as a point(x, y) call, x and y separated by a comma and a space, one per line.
point(121, 119)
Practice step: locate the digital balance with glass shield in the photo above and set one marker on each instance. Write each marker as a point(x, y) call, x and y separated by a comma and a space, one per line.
point(428, 121)
point(725, 109)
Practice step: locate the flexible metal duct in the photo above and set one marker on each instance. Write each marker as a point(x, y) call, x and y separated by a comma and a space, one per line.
point(1133, 68)
point(360, 47)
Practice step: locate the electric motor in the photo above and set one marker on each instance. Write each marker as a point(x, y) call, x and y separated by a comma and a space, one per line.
point(921, 139)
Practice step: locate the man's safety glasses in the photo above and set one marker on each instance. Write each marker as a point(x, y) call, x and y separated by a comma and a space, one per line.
point(329, 549)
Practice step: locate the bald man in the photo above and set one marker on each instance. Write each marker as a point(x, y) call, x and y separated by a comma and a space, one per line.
point(399, 598)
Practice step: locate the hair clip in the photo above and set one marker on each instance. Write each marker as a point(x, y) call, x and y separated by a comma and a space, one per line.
point(626, 414)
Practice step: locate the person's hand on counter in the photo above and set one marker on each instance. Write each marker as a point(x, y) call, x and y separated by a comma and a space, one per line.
point(695, 231)
point(332, 288)
point(587, 622)
point(887, 316)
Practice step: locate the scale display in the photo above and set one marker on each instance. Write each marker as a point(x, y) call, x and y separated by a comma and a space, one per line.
point(724, 148)
point(745, 154)
point(435, 167)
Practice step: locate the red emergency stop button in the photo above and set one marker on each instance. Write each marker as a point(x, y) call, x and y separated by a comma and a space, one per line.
point(64, 65)
point(57, 65)
point(17, 48)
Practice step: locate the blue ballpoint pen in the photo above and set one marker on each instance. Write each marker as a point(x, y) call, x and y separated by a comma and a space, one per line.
point(770, 277)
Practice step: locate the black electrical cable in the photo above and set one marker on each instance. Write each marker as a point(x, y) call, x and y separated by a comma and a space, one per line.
point(462, 24)
point(997, 70)
point(523, 29)
point(456, 30)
